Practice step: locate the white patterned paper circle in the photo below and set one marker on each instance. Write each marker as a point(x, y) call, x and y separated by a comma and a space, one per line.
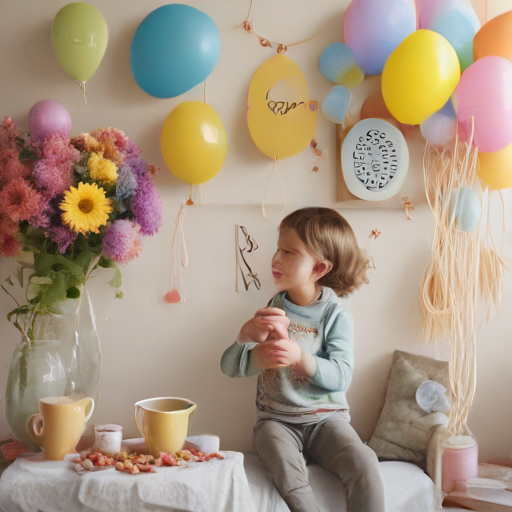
point(375, 160)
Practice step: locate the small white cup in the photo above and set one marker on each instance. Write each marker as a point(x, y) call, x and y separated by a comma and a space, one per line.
point(107, 438)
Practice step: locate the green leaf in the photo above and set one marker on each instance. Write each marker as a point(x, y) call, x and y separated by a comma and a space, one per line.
point(73, 293)
point(117, 280)
point(47, 262)
point(23, 310)
point(56, 292)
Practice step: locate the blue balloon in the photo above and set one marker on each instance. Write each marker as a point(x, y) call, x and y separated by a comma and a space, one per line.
point(337, 64)
point(335, 104)
point(175, 48)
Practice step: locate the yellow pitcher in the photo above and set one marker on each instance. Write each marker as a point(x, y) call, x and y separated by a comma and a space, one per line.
point(60, 425)
point(165, 422)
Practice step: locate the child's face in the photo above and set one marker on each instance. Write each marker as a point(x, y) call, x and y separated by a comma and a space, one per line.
point(293, 266)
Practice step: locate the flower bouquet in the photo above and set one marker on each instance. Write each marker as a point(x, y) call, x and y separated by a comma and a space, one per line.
point(67, 207)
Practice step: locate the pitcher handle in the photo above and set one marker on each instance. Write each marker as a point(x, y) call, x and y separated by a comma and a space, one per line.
point(191, 414)
point(35, 428)
point(137, 408)
point(91, 404)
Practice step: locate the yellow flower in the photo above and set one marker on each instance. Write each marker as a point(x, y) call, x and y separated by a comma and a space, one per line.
point(102, 169)
point(85, 208)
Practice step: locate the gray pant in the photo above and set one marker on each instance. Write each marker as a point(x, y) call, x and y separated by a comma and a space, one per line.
point(335, 445)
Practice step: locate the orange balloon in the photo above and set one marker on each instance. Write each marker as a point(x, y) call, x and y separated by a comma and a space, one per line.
point(496, 168)
point(374, 106)
point(494, 38)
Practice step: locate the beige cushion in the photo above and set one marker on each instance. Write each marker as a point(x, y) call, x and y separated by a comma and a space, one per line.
point(404, 429)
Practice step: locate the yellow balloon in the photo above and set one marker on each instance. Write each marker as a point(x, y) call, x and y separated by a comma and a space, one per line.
point(194, 142)
point(281, 120)
point(420, 76)
point(495, 168)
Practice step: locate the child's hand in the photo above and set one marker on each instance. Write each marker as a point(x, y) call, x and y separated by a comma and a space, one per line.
point(264, 323)
point(276, 353)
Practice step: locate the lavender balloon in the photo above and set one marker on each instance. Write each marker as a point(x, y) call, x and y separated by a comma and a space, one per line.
point(47, 117)
point(440, 128)
point(374, 29)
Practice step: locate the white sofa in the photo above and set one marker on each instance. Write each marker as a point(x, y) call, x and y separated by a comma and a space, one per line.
point(407, 488)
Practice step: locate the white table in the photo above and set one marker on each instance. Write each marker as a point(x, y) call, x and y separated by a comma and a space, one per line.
point(32, 484)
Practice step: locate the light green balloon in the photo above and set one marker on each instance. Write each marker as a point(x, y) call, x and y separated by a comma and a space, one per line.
point(79, 39)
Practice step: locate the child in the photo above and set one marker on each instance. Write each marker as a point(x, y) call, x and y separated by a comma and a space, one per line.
point(302, 347)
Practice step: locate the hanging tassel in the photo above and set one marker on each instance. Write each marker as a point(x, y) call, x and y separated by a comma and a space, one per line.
point(263, 211)
point(179, 259)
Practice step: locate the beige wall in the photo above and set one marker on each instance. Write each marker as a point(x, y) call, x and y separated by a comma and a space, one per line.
point(151, 348)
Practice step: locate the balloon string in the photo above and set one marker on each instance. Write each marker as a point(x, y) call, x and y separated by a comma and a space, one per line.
point(202, 186)
point(179, 251)
point(263, 211)
point(280, 48)
point(204, 92)
point(82, 86)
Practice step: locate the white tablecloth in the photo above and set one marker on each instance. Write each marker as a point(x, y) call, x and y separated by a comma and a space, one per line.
point(32, 484)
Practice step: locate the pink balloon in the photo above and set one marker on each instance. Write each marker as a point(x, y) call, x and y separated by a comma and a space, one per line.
point(47, 117)
point(485, 92)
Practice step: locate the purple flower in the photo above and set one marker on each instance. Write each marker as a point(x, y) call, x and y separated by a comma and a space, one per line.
point(62, 236)
point(147, 205)
point(126, 183)
point(121, 242)
point(136, 164)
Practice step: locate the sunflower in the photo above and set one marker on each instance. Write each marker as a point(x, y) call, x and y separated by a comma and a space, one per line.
point(85, 208)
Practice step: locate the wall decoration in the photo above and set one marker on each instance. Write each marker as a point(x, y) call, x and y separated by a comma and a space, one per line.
point(441, 127)
point(373, 30)
point(420, 76)
point(280, 116)
point(407, 207)
point(47, 117)
point(179, 259)
point(374, 234)
point(455, 20)
point(194, 142)
point(465, 209)
point(279, 47)
point(484, 94)
point(495, 169)
point(335, 104)
point(375, 160)
point(79, 40)
point(247, 246)
point(337, 64)
point(464, 269)
point(175, 48)
point(494, 38)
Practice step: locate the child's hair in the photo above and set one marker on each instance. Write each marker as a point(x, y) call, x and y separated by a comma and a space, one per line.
point(328, 236)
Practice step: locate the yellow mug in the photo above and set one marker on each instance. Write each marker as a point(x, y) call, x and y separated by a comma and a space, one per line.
point(60, 424)
point(164, 423)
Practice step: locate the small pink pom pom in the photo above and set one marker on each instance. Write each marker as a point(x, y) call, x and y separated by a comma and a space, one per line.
point(173, 296)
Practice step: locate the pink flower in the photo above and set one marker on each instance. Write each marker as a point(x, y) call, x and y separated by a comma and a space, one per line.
point(9, 244)
point(8, 134)
point(114, 136)
point(54, 174)
point(19, 201)
point(121, 242)
point(10, 247)
point(11, 167)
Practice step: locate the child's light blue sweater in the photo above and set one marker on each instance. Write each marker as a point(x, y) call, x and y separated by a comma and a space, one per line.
point(324, 329)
